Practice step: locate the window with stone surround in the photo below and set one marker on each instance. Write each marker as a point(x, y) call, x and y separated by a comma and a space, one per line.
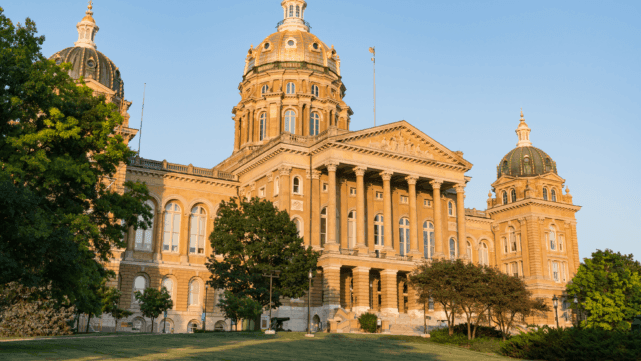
point(553, 193)
point(299, 226)
point(352, 192)
point(323, 226)
point(171, 234)
point(314, 124)
point(290, 122)
point(469, 251)
point(513, 193)
point(276, 186)
point(145, 237)
point(405, 199)
point(351, 230)
point(483, 254)
point(545, 194)
point(427, 203)
point(194, 293)
point(512, 237)
point(291, 11)
point(315, 87)
point(197, 230)
point(296, 186)
point(379, 230)
point(140, 284)
point(325, 187)
point(453, 249)
point(504, 197)
point(291, 88)
point(168, 284)
point(404, 236)
point(265, 87)
point(379, 196)
point(428, 240)
point(450, 209)
point(262, 130)
point(552, 238)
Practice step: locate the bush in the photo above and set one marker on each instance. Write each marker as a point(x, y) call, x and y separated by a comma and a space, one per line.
point(481, 331)
point(574, 344)
point(368, 322)
point(481, 343)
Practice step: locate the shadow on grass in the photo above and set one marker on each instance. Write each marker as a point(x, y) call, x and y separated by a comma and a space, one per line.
point(240, 346)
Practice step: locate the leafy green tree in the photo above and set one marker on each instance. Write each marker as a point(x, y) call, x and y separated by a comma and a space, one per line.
point(111, 305)
point(608, 287)
point(59, 155)
point(239, 308)
point(368, 322)
point(477, 293)
point(441, 281)
point(153, 303)
point(251, 239)
point(512, 303)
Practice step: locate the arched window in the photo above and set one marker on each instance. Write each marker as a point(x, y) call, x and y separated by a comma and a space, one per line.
point(291, 88)
point(504, 242)
point(194, 293)
point(512, 238)
point(171, 237)
point(197, 230)
point(379, 230)
point(276, 186)
point(323, 226)
point(469, 251)
point(265, 87)
point(552, 237)
point(450, 208)
point(483, 255)
point(351, 230)
point(168, 284)
point(404, 240)
point(297, 11)
point(545, 194)
point(561, 239)
point(453, 248)
point(553, 193)
point(504, 197)
point(262, 131)
point(315, 89)
point(513, 194)
point(548, 165)
point(314, 124)
point(428, 240)
point(291, 11)
point(290, 121)
point(145, 237)
point(527, 166)
point(299, 227)
point(140, 284)
point(296, 188)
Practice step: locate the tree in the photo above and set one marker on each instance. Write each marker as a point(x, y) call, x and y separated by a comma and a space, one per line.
point(59, 155)
point(608, 287)
point(251, 238)
point(476, 293)
point(441, 281)
point(238, 308)
point(111, 305)
point(153, 303)
point(512, 303)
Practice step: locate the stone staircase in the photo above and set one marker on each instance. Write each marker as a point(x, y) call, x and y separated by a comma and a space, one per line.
point(399, 324)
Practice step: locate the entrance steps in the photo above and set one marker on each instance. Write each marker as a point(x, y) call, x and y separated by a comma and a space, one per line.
point(344, 321)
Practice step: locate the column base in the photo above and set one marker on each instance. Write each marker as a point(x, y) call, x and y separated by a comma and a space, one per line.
point(390, 311)
point(389, 252)
point(184, 259)
point(362, 250)
point(129, 256)
point(359, 310)
point(415, 254)
point(157, 257)
point(332, 247)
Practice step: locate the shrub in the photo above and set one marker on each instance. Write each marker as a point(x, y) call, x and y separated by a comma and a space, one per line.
point(481, 343)
point(368, 322)
point(574, 344)
point(481, 331)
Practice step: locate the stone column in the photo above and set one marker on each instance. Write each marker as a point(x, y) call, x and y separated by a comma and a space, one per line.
point(316, 207)
point(438, 230)
point(361, 290)
point(389, 291)
point(131, 241)
point(332, 244)
point(236, 134)
point(360, 210)
point(414, 226)
point(332, 286)
point(460, 221)
point(284, 192)
point(159, 224)
point(183, 244)
point(387, 213)
point(534, 247)
point(575, 250)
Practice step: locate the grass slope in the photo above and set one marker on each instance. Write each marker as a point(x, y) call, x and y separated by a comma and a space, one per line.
point(237, 346)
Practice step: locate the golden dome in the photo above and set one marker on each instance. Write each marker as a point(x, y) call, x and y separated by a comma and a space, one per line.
point(294, 47)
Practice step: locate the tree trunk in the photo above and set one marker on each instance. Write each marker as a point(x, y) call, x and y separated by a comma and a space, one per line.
point(469, 329)
point(116, 328)
point(78, 322)
point(152, 325)
point(88, 320)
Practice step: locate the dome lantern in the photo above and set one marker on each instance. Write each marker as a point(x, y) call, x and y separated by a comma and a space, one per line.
point(293, 16)
point(523, 132)
point(87, 29)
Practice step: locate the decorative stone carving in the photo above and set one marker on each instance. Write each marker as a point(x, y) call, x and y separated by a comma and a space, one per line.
point(400, 144)
point(297, 205)
point(436, 184)
point(332, 166)
point(387, 175)
point(285, 170)
point(360, 171)
point(460, 188)
point(412, 179)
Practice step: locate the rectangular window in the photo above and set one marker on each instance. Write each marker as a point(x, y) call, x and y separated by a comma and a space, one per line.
point(261, 192)
point(325, 187)
point(561, 242)
point(427, 203)
point(555, 271)
point(352, 192)
point(405, 199)
point(515, 269)
point(379, 196)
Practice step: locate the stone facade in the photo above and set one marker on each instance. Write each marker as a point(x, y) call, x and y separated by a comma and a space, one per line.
point(375, 202)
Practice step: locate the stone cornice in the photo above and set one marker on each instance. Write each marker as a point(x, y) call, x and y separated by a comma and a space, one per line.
point(533, 201)
point(181, 177)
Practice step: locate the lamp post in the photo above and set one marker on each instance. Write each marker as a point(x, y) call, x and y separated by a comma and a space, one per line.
point(164, 326)
point(309, 306)
point(205, 308)
point(555, 301)
point(272, 274)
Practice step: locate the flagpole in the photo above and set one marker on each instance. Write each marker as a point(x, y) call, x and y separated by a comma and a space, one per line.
point(142, 114)
point(373, 51)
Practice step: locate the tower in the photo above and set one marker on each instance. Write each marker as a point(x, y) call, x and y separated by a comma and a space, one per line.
point(291, 84)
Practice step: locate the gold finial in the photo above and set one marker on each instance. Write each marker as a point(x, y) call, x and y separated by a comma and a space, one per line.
point(90, 7)
point(522, 118)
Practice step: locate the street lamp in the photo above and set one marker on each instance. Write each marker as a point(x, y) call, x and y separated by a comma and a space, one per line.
point(272, 274)
point(555, 301)
point(576, 309)
point(309, 306)
point(205, 308)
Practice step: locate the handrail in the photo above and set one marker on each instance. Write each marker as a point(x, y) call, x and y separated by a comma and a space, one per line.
point(180, 168)
point(304, 22)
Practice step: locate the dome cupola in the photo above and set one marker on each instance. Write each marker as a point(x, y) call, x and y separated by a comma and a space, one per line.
point(87, 61)
point(525, 160)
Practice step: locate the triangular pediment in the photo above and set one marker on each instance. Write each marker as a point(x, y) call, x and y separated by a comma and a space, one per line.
point(403, 138)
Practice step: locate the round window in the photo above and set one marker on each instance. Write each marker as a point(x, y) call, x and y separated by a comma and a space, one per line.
point(315, 46)
point(266, 45)
point(291, 43)
point(91, 63)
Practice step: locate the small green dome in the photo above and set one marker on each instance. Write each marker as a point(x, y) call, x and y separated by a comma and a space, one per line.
point(526, 161)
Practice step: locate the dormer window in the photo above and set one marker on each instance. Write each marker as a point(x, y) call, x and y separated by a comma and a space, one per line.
point(266, 46)
point(553, 193)
point(91, 63)
point(264, 89)
point(291, 88)
point(545, 194)
point(548, 165)
point(527, 166)
point(315, 90)
point(315, 46)
point(58, 60)
point(513, 193)
point(505, 167)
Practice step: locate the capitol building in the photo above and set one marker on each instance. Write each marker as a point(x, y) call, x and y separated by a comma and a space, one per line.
point(374, 202)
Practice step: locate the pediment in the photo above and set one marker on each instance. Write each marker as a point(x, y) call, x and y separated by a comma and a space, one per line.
point(403, 138)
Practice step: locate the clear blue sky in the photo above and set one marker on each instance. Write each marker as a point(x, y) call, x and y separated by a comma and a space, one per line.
point(458, 70)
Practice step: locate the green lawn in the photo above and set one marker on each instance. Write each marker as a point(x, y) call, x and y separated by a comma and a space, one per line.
point(239, 346)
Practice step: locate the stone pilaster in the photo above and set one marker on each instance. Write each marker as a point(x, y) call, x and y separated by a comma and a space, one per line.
point(332, 241)
point(284, 188)
point(438, 215)
point(387, 214)
point(316, 208)
point(360, 210)
point(157, 243)
point(534, 246)
point(460, 221)
point(389, 291)
point(414, 225)
point(361, 290)
point(332, 286)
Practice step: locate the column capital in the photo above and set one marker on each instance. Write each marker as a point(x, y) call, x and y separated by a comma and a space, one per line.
point(460, 188)
point(522, 221)
point(270, 177)
point(285, 170)
point(387, 175)
point(252, 185)
point(411, 179)
point(360, 171)
point(361, 269)
point(436, 184)
point(331, 268)
point(314, 174)
point(389, 272)
point(332, 166)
